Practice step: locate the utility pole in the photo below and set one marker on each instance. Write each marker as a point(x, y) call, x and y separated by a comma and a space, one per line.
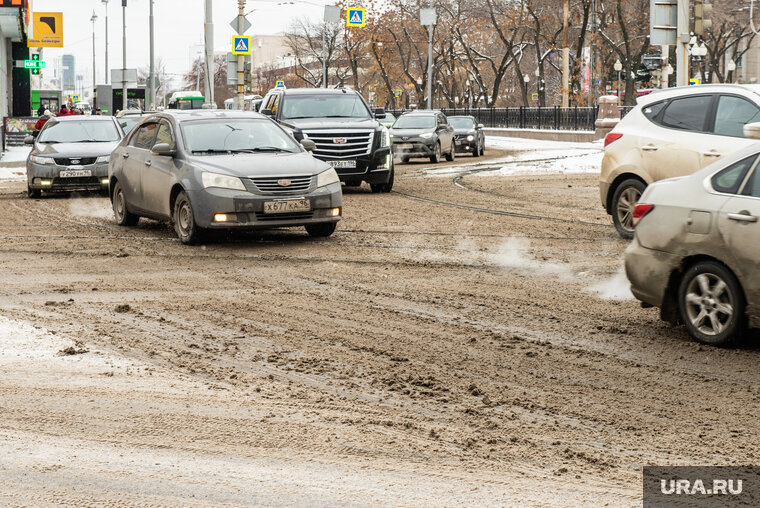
point(682, 44)
point(565, 59)
point(124, 100)
point(105, 4)
point(94, 18)
point(151, 71)
point(324, 51)
point(430, 62)
point(209, 33)
point(241, 58)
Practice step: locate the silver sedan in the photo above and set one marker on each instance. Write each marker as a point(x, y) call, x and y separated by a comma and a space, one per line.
point(696, 249)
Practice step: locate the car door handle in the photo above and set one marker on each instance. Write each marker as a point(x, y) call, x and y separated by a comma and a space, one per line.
point(743, 216)
point(711, 153)
point(148, 163)
point(125, 155)
point(650, 148)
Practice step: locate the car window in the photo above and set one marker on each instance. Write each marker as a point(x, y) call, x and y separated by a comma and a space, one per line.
point(732, 114)
point(729, 179)
point(414, 122)
point(144, 137)
point(653, 110)
point(217, 136)
point(83, 131)
point(164, 135)
point(687, 113)
point(274, 103)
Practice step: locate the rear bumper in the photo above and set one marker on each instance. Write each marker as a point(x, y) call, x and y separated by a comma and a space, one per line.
point(648, 271)
point(604, 189)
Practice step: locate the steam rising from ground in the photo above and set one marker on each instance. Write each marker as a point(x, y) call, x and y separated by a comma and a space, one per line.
point(85, 207)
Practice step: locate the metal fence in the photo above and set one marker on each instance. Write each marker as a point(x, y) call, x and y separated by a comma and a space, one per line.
point(548, 118)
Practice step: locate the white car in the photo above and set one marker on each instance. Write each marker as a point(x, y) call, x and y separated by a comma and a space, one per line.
point(673, 132)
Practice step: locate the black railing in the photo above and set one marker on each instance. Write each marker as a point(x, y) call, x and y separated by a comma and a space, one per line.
point(549, 118)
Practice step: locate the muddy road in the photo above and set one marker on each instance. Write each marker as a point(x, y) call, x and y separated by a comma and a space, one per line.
point(468, 339)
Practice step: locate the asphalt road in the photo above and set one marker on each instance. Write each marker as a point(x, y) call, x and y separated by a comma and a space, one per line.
point(449, 344)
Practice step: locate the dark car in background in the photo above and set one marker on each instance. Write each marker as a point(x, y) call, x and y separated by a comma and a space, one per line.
point(423, 134)
point(345, 130)
point(129, 118)
point(71, 153)
point(220, 169)
point(468, 135)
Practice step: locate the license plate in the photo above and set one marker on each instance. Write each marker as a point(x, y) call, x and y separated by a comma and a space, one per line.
point(291, 205)
point(404, 146)
point(342, 164)
point(73, 173)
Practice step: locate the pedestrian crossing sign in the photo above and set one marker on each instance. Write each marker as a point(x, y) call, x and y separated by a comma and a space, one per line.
point(280, 83)
point(241, 44)
point(355, 16)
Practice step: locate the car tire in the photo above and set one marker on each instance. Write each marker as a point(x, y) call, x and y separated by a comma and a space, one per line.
point(452, 153)
point(120, 209)
point(405, 160)
point(183, 217)
point(384, 187)
point(33, 193)
point(476, 151)
point(436, 157)
point(321, 230)
point(624, 199)
point(711, 304)
point(483, 148)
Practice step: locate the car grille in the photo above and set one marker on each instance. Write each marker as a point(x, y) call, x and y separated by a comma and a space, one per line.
point(341, 144)
point(80, 161)
point(264, 217)
point(77, 182)
point(271, 185)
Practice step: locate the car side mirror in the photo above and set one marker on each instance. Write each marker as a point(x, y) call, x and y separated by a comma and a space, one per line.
point(380, 113)
point(267, 112)
point(752, 130)
point(163, 149)
point(480, 126)
point(28, 139)
point(308, 144)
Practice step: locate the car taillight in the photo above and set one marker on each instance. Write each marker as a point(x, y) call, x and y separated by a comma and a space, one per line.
point(612, 137)
point(639, 211)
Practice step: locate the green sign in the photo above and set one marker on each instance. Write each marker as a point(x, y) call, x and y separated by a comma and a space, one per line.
point(34, 64)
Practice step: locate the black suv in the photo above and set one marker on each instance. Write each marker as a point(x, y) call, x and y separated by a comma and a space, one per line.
point(344, 128)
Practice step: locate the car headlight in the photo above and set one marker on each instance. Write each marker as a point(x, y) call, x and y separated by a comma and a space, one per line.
point(103, 158)
point(222, 181)
point(385, 140)
point(327, 177)
point(426, 135)
point(470, 137)
point(41, 160)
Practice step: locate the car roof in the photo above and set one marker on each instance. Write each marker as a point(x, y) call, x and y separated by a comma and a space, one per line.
point(421, 112)
point(85, 118)
point(667, 93)
point(185, 115)
point(461, 116)
point(314, 91)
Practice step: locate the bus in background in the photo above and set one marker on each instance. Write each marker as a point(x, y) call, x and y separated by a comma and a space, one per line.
point(186, 99)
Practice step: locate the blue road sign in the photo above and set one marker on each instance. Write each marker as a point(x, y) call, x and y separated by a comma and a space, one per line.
point(241, 45)
point(355, 16)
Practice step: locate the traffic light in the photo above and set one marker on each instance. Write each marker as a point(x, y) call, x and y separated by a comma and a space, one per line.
point(701, 10)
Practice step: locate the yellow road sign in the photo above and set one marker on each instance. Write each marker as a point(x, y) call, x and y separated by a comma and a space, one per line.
point(48, 30)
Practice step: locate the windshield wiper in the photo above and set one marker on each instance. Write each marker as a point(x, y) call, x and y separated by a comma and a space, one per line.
point(211, 150)
point(268, 149)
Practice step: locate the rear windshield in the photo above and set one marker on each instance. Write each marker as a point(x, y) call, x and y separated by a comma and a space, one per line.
point(79, 132)
point(415, 122)
point(346, 105)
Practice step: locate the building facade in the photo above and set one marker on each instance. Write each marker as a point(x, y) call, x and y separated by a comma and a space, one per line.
point(14, 82)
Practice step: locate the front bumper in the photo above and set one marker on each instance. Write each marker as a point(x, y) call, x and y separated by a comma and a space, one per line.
point(47, 177)
point(246, 210)
point(464, 145)
point(414, 147)
point(373, 168)
point(648, 271)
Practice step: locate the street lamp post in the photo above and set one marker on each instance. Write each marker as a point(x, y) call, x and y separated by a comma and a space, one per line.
point(105, 4)
point(124, 55)
point(618, 67)
point(94, 18)
point(151, 72)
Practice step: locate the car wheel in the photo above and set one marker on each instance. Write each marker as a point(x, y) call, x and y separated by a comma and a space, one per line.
point(187, 230)
point(405, 160)
point(384, 187)
point(33, 193)
point(436, 157)
point(483, 148)
point(321, 230)
point(711, 303)
point(476, 151)
point(452, 153)
point(624, 200)
point(120, 211)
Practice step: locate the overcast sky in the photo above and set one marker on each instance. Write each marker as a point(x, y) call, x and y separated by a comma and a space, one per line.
point(178, 27)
